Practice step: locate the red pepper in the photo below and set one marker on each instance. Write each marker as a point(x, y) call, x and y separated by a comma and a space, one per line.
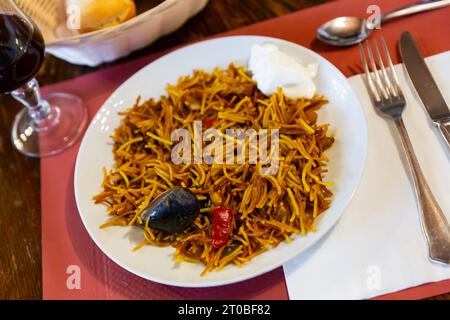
point(222, 219)
point(208, 122)
point(187, 183)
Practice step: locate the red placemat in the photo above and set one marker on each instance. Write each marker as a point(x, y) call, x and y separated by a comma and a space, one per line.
point(67, 248)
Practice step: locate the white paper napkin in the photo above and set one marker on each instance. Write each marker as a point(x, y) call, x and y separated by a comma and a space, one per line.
point(378, 246)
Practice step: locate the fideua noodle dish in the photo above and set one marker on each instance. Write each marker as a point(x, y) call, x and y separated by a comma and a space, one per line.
point(224, 166)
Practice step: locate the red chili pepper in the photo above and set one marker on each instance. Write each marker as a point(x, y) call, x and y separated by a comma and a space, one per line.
point(187, 183)
point(222, 219)
point(208, 122)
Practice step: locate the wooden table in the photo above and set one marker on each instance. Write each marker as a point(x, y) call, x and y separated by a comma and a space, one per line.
point(20, 227)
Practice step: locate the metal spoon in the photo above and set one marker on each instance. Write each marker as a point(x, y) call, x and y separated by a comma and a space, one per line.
point(347, 31)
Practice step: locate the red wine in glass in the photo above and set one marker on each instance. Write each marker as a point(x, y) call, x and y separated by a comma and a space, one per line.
point(47, 125)
point(21, 52)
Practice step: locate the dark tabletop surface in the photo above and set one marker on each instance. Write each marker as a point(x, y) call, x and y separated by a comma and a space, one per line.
point(20, 213)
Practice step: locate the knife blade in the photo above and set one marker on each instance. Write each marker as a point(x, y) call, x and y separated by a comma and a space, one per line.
point(425, 85)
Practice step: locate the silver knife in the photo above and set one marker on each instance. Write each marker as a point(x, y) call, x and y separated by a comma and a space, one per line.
point(425, 85)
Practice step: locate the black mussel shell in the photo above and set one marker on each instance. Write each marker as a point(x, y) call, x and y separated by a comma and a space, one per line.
point(173, 211)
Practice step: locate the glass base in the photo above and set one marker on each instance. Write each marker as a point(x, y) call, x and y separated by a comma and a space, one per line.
point(57, 132)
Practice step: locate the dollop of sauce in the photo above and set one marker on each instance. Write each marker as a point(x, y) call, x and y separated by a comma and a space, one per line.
point(273, 68)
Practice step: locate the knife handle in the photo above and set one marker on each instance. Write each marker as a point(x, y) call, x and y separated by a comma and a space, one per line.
point(444, 128)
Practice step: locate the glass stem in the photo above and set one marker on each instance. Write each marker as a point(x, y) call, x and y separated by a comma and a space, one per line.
point(30, 96)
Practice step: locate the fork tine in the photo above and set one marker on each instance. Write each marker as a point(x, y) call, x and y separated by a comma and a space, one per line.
point(389, 87)
point(385, 101)
point(375, 73)
point(394, 78)
point(369, 81)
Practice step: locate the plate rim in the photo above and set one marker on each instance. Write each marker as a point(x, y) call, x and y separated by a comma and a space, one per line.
point(262, 271)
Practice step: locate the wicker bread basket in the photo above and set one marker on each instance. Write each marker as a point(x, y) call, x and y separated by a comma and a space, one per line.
point(111, 43)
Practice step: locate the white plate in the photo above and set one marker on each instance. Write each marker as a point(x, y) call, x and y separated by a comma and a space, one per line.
point(348, 155)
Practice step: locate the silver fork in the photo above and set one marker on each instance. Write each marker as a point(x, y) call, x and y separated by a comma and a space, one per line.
point(388, 100)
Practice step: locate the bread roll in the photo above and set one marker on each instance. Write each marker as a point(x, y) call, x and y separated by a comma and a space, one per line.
point(99, 14)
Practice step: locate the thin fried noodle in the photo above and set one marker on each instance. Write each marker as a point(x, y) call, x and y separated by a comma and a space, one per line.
point(268, 209)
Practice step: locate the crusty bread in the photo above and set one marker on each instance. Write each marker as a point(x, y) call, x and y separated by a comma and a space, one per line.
point(99, 14)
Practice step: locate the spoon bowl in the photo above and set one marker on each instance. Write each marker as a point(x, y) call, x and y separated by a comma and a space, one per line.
point(348, 31)
point(344, 31)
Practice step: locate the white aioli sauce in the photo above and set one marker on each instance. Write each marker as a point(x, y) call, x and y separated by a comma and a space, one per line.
point(272, 69)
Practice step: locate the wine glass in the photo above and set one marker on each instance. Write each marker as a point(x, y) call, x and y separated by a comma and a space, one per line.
point(47, 125)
